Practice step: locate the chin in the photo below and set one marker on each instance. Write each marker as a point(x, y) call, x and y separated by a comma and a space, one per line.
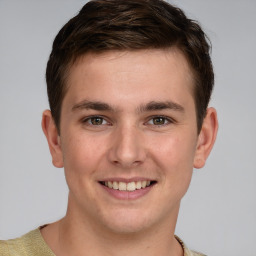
point(127, 228)
point(128, 222)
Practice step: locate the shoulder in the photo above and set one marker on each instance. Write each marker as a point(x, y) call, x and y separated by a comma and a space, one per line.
point(4, 248)
point(12, 247)
point(188, 252)
point(193, 253)
point(31, 244)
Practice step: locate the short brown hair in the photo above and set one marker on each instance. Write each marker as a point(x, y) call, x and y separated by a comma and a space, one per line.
point(103, 25)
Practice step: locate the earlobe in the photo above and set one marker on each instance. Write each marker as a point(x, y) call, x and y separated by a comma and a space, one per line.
point(206, 138)
point(53, 138)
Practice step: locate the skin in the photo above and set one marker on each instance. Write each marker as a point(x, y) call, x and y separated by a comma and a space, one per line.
point(143, 126)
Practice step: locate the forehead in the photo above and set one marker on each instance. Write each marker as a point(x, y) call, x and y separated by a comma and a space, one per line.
point(123, 73)
point(173, 55)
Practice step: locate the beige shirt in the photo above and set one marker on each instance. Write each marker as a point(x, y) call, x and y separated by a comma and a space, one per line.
point(33, 244)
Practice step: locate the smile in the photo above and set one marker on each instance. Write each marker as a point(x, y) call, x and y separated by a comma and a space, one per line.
point(127, 186)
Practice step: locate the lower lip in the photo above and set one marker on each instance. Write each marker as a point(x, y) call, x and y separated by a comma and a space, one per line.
point(127, 195)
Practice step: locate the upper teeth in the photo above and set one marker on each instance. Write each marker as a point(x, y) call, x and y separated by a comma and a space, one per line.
point(131, 186)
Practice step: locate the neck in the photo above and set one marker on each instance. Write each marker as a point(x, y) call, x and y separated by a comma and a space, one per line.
point(74, 235)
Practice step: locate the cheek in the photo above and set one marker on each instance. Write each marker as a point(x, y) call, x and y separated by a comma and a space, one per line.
point(175, 157)
point(81, 156)
point(175, 151)
point(80, 151)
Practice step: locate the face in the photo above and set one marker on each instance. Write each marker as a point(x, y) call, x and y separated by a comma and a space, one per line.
point(128, 139)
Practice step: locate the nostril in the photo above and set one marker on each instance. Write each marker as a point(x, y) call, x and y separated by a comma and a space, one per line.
point(126, 164)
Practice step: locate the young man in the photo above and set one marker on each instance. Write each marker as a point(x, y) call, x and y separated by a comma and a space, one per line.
point(129, 82)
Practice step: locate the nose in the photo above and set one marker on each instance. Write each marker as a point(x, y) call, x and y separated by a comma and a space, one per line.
point(127, 147)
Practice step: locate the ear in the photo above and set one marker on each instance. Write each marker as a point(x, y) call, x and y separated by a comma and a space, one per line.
point(206, 138)
point(53, 138)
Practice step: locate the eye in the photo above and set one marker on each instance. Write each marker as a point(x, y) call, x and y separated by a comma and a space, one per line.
point(95, 120)
point(159, 121)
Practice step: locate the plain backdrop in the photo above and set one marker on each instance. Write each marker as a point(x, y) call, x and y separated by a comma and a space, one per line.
point(218, 214)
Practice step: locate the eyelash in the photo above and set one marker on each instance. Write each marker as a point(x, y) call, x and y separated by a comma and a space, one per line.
point(87, 119)
point(167, 121)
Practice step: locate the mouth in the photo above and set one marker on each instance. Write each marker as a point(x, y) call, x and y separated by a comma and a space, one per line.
point(128, 186)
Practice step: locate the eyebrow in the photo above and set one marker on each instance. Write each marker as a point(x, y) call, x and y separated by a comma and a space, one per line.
point(151, 106)
point(155, 105)
point(94, 105)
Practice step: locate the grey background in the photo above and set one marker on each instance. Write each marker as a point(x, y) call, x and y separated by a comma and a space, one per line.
point(218, 213)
